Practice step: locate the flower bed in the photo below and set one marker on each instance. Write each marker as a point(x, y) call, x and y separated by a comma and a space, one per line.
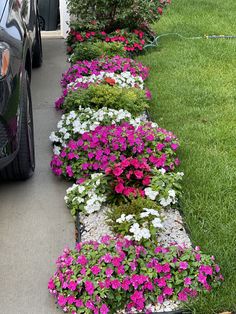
point(116, 64)
point(74, 123)
point(107, 146)
point(95, 274)
point(125, 180)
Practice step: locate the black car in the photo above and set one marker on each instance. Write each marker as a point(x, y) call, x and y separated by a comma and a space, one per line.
point(20, 49)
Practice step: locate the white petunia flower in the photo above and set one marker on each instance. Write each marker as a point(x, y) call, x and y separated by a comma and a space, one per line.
point(157, 223)
point(129, 217)
point(56, 150)
point(151, 193)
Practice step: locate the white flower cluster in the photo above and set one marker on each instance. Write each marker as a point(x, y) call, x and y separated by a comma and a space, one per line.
point(85, 197)
point(163, 192)
point(151, 193)
point(139, 225)
point(85, 120)
point(124, 80)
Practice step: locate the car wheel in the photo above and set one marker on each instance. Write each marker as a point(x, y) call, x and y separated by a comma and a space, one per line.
point(23, 165)
point(37, 51)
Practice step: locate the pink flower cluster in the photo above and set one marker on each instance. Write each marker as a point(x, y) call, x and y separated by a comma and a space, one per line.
point(108, 145)
point(116, 64)
point(88, 276)
point(132, 41)
point(130, 176)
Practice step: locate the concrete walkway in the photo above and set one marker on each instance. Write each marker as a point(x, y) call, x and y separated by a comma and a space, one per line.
point(35, 225)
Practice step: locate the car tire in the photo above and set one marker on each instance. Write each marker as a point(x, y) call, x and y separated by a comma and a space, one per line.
point(38, 50)
point(22, 167)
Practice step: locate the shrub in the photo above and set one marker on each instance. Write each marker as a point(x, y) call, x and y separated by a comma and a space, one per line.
point(98, 96)
point(117, 274)
point(113, 14)
point(90, 51)
point(107, 146)
point(87, 51)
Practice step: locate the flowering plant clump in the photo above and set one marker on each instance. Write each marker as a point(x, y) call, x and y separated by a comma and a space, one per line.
point(164, 187)
point(118, 274)
point(124, 79)
point(95, 50)
point(130, 177)
point(83, 120)
point(97, 96)
point(116, 65)
point(133, 41)
point(108, 145)
point(139, 227)
point(89, 196)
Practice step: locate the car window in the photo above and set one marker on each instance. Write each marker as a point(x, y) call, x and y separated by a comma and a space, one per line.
point(2, 6)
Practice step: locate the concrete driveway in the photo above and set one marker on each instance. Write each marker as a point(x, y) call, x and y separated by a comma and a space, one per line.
point(35, 225)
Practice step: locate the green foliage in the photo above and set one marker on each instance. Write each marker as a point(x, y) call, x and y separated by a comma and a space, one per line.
point(111, 49)
point(112, 14)
point(97, 96)
point(86, 51)
point(93, 50)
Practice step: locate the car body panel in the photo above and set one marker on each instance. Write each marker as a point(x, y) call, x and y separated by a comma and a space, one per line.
point(17, 30)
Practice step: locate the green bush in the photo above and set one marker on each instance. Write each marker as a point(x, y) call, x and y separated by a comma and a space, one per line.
point(134, 207)
point(112, 14)
point(97, 96)
point(93, 50)
point(85, 51)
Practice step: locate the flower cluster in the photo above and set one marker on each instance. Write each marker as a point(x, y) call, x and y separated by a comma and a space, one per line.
point(109, 145)
point(87, 197)
point(124, 79)
point(130, 177)
point(133, 41)
point(141, 227)
point(116, 65)
point(165, 187)
point(88, 277)
point(85, 120)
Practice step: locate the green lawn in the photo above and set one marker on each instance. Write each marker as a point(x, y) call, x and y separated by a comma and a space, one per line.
point(194, 88)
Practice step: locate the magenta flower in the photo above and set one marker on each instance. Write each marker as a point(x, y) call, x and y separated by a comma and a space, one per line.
point(61, 300)
point(187, 281)
point(72, 285)
point(168, 291)
point(115, 284)
point(206, 269)
point(79, 303)
point(109, 272)
point(95, 270)
point(160, 299)
point(82, 260)
point(89, 287)
point(182, 296)
point(161, 282)
point(202, 278)
point(183, 265)
point(104, 309)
